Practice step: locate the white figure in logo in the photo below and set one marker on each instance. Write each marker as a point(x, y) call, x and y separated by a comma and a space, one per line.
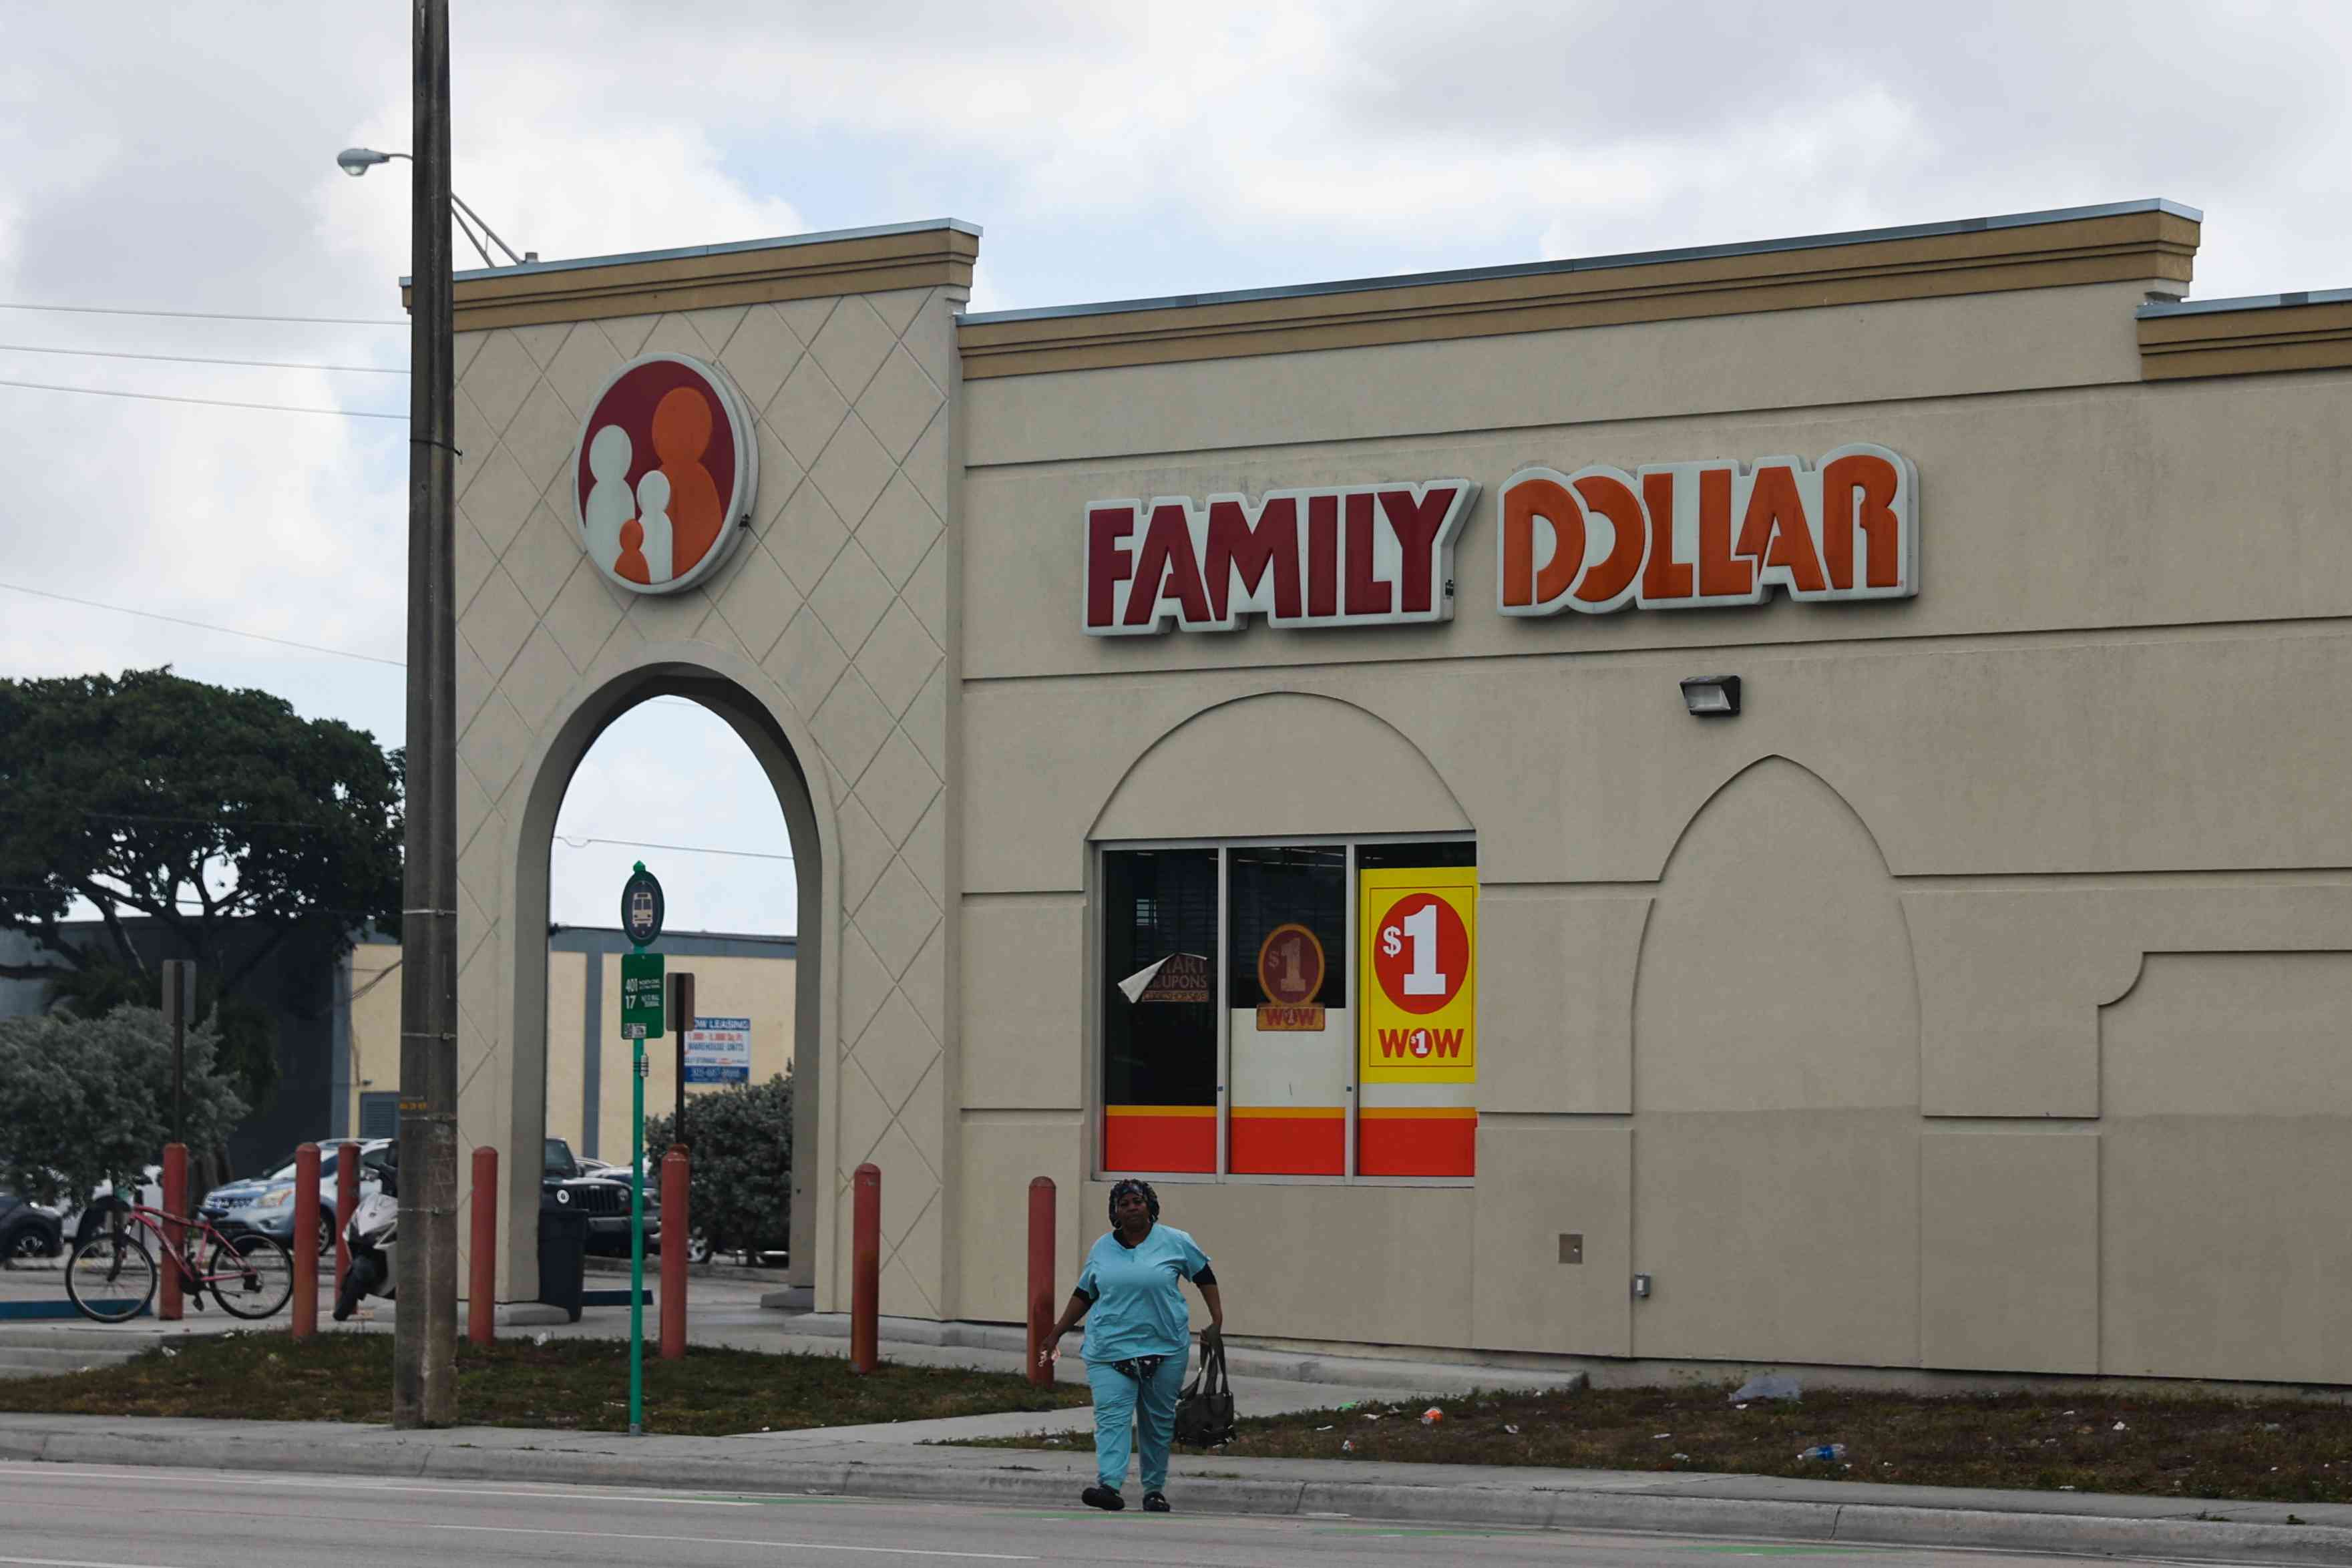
point(653, 514)
point(609, 503)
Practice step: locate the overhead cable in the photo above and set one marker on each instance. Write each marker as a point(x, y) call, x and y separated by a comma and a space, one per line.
point(200, 359)
point(204, 402)
point(207, 315)
point(203, 625)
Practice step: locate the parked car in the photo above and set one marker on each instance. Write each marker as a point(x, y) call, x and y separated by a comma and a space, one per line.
point(83, 1223)
point(601, 1194)
point(266, 1204)
point(29, 1230)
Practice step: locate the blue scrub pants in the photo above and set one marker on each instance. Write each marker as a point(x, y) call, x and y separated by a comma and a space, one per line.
point(1116, 1397)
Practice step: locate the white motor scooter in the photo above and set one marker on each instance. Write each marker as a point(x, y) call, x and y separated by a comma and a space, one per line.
point(371, 1236)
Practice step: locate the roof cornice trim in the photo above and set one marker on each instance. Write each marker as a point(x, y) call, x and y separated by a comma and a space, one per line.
point(2152, 241)
point(2261, 334)
point(935, 254)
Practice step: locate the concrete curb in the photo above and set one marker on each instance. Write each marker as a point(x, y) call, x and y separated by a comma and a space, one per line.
point(381, 1454)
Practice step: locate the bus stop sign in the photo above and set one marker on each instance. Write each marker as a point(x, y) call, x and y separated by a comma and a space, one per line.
point(642, 908)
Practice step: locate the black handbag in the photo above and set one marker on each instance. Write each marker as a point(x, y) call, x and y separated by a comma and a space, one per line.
point(1204, 1415)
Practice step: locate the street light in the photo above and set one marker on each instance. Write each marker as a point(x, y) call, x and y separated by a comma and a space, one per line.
point(358, 160)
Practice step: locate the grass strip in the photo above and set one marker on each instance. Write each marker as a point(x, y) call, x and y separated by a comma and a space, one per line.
point(567, 1384)
point(2270, 1451)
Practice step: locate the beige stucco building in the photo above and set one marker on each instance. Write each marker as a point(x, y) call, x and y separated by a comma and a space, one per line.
point(1974, 997)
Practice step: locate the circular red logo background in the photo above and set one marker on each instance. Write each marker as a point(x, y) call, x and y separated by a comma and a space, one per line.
point(664, 471)
point(1290, 965)
point(1421, 955)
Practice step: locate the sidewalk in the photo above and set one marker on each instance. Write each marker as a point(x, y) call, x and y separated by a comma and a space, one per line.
point(892, 1462)
point(897, 1460)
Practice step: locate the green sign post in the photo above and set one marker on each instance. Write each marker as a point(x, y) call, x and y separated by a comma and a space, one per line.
point(642, 908)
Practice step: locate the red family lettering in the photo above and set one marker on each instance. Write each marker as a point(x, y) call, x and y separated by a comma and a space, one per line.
point(1359, 555)
point(1686, 535)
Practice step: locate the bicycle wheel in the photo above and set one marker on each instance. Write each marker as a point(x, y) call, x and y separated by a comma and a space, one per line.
point(111, 1277)
point(258, 1281)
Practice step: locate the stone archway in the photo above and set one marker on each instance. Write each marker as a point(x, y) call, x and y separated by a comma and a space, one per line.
point(766, 724)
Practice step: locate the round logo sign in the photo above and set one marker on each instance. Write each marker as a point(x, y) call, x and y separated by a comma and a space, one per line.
point(666, 473)
point(642, 908)
point(1290, 965)
point(1422, 954)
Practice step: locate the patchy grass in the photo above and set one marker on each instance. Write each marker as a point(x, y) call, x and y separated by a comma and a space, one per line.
point(568, 1384)
point(2275, 1450)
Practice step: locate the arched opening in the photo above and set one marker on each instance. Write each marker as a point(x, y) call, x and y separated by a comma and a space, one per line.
point(663, 738)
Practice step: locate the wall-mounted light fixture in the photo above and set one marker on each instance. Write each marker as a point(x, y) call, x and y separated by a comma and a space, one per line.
point(1711, 696)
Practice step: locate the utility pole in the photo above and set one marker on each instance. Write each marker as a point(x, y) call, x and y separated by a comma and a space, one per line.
point(424, 1334)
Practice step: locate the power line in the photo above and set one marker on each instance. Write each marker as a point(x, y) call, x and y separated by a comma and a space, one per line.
point(206, 401)
point(203, 625)
point(207, 315)
point(199, 359)
point(680, 849)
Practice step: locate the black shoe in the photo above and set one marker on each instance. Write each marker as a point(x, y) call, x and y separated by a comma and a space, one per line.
point(1155, 1502)
point(1106, 1499)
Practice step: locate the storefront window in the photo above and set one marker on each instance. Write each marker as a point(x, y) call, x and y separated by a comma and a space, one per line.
point(1313, 1003)
point(1291, 1031)
point(1159, 1013)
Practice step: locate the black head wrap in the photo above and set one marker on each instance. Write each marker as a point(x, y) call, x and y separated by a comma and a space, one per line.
point(1131, 1185)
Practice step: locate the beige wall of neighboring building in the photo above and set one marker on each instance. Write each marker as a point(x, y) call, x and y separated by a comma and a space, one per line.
point(1965, 1003)
point(758, 987)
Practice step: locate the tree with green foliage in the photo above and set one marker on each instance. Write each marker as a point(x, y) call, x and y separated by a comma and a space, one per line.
point(239, 828)
point(85, 1101)
point(740, 1192)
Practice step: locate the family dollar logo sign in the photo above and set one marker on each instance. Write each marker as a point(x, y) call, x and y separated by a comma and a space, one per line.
point(1420, 1013)
point(666, 473)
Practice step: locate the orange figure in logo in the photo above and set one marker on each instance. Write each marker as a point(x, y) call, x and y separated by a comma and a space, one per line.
point(631, 562)
point(681, 435)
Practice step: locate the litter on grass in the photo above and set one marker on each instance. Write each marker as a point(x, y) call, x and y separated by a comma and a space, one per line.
point(1432, 1417)
point(1769, 1386)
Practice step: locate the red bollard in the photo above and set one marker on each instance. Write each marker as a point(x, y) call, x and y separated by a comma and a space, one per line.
point(674, 1247)
point(176, 1203)
point(306, 1241)
point(865, 1268)
point(347, 1204)
point(481, 1301)
point(1041, 1279)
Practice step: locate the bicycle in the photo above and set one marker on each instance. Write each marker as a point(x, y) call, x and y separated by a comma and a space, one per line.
point(111, 1277)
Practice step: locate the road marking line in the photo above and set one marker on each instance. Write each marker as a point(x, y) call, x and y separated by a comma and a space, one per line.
point(557, 1489)
point(720, 1541)
point(67, 1563)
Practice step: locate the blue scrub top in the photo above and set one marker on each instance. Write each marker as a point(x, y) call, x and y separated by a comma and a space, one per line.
point(1138, 1307)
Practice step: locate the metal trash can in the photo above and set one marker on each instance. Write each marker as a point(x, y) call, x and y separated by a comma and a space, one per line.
point(562, 1251)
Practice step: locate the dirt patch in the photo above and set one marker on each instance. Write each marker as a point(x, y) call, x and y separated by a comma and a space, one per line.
point(2273, 1451)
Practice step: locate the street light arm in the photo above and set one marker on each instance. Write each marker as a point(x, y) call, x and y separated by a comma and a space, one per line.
point(456, 217)
point(358, 160)
point(459, 203)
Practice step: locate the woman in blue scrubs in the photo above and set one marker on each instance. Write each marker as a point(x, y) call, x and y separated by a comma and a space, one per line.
point(1136, 1333)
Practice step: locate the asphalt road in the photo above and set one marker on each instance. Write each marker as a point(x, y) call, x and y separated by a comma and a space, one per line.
point(76, 1516)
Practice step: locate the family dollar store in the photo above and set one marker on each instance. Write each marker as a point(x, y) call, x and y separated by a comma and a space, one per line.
point(1774, 803)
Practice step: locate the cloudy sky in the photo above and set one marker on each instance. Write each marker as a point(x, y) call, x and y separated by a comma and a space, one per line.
point(181, 159)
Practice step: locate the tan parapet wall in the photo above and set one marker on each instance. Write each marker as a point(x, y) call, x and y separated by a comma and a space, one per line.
point(702, 277)
point(2283, 332)
point(2155, 244)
